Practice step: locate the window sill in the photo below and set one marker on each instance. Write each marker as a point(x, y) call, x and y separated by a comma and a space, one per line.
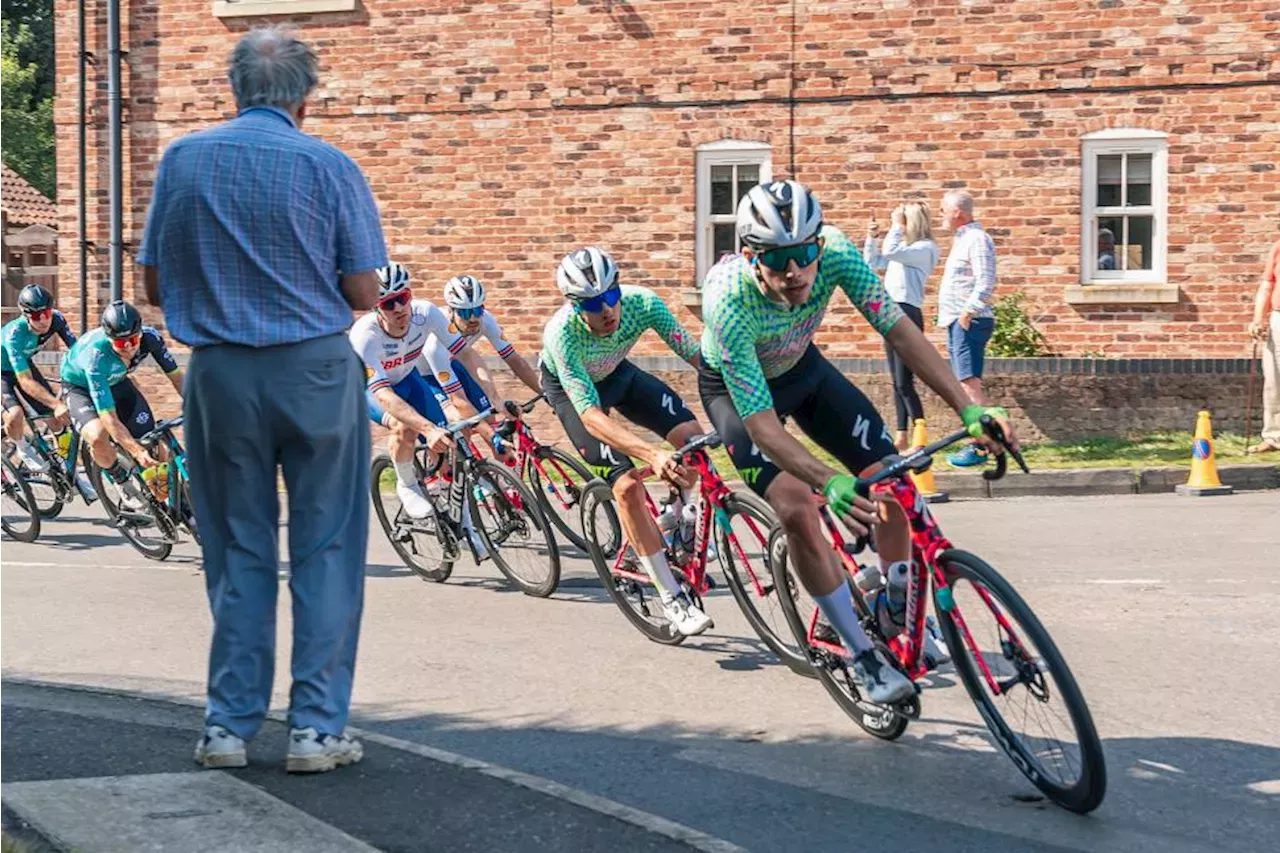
point(1121, 292)
point(251, 8)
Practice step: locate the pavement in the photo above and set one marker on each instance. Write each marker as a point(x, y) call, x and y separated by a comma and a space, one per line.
point(493, 721)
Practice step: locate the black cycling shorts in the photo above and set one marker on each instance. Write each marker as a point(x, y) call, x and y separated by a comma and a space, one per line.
point(640, 397)
point(132, 408)
point(13, 395)
point(826, 406)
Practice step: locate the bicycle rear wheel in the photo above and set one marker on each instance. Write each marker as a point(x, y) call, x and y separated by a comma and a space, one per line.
point(638, 599)
point(515, 529)
point(744, 556)
point(19, 517)
point(425, 547)
point(558, 480)
point(1013, 671)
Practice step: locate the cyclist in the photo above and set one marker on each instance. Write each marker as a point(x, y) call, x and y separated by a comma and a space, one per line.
point(761, 309)
point(22, 337)
point(105, 405)
point(390, 340)
point(467, 321)
point(585, 374)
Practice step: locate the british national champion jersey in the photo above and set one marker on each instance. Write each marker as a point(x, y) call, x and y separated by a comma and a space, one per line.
point(388, 360)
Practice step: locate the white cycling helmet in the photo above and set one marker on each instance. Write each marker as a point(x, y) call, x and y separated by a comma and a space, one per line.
point(392, 279)
point(586, 272)
point(464, 291)
point(782, 213)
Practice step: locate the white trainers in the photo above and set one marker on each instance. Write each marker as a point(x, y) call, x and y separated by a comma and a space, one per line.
point(686, 617)
point(220, 748)
point(415, 503)
point(312, 752)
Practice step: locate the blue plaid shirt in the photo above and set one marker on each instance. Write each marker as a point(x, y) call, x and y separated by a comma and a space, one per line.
point(250, 226)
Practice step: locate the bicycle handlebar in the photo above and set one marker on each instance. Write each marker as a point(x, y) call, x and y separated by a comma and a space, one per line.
point(516, 409)
point(461, 426)
point(920, 460)
point(159, 431)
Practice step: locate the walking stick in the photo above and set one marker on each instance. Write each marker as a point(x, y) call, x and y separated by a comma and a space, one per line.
point(1248, 406)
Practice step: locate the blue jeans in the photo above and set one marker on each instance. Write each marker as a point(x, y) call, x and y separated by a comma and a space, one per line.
point(967, 347)
point(300, 408)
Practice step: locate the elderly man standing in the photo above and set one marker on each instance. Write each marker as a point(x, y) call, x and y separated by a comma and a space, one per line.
point(1265, 327)
point(964, 304)
point(259, 242)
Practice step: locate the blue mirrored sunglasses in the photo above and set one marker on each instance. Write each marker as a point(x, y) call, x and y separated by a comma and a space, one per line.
point(596, 304)
point(778, 259)
point(470, 313)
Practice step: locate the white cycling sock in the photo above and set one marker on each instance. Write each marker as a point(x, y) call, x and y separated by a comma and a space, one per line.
point(655, 565)
point(837, 606)
point(405, 473)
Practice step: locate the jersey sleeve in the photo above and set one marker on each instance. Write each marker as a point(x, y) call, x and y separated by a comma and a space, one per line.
point(159, 352)
point(566, 363)
point(490, 329)
point(63, 329)
point(16, 347)
point(859, 283)
point(733, 331)
point(367, 348)
point(662, 321)
point(437, 361)
point(98, 375)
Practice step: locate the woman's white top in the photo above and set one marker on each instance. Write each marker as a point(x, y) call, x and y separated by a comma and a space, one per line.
point(906, 267)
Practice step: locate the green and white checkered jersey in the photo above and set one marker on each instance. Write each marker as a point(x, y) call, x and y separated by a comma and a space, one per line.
point(579, 359)
point(750, 339)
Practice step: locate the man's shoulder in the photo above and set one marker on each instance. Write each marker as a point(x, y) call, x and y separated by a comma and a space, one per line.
point(557, 325)
point(724, 282)
point(363, 326)
point(284, 140)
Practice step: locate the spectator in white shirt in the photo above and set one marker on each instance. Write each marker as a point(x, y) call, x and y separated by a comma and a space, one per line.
point(908, 257)
point(964, 304)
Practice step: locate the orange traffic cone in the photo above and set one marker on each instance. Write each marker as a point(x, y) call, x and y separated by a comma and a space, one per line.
point(1204, 469)
point(924, 480)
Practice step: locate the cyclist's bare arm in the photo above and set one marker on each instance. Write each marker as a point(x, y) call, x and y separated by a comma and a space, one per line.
point(521, 367)
point(611, 432)
point(437, 438)
point(476, 367)
point(36, 391)
point(786, 452)
point(178, 379)
point(120, 435)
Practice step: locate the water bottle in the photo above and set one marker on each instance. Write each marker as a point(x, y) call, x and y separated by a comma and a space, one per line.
point(896, 586)
point(668, 520)
point(869, 580)
point(688, 525)
point(64, 443)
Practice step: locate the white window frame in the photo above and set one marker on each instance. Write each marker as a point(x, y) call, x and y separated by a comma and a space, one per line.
point(1124, 141)
point(263, 8)
point(725, 152)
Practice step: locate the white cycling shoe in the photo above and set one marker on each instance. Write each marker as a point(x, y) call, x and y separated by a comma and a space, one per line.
point(415, 503)
point(687, 618)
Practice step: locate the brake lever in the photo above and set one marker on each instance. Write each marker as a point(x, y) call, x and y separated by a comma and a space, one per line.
point(1002, 465)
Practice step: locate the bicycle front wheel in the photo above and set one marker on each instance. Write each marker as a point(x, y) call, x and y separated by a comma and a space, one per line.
point(1020, 683)
point(20, 517)
point(515, 530)
point(422, 544)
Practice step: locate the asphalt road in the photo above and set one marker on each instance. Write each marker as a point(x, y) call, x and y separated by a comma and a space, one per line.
point(1164, 607)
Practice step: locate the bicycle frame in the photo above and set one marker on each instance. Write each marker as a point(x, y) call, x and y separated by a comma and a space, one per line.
point(527, 456)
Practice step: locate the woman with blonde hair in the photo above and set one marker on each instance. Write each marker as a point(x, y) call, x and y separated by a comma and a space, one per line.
point(907, 258)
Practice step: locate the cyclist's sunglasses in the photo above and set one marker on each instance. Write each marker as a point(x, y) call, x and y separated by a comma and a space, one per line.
point(131, 341)
point(39, 314)
point(470, 313)
point(396, 300)
point(596, 304)
point(803, 254)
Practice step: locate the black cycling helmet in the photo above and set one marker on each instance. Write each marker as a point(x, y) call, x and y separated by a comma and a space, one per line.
point(121, 320)
point(33, 297)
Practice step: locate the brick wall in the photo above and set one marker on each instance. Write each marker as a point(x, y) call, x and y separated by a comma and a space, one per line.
point(498, 136)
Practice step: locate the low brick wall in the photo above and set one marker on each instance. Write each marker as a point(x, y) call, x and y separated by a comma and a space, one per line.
point(1050, 399)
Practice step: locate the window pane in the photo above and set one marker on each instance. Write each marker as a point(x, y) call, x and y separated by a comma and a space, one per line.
point(1110, 231)
point(1110, 171)
point(748, 177)
point(1138, 180)
point(724, 241)
point(722, 189)
point(1138, 253)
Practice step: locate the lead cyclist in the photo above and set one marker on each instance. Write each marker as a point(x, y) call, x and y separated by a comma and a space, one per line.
point(761, 309)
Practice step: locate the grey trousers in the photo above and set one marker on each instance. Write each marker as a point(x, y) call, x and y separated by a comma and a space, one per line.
point(300, 408)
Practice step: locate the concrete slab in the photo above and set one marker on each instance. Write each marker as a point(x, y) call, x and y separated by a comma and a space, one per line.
point(1098, 481)
point(171, 811)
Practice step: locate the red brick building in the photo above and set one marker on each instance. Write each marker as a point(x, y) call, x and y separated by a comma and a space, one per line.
point(499, 135)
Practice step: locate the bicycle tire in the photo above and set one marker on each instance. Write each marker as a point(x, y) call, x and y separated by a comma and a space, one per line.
point(412, 559)
point(53, 480)
point(628, 595)
point(1087, 794)
point(550, 506)
point(132, 533)
point(18, 491)
point(832, 672)
point(504, 483)
point(744, 589)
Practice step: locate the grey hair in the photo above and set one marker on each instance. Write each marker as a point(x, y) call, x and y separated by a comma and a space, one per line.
point(960, 200)
point(270, 67)
point(1106, 235)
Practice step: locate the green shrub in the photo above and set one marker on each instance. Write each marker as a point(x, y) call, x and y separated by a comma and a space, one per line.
point(1015, 335)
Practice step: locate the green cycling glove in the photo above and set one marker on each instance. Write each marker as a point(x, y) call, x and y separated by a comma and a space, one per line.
point(840, 491)
point(972, 417)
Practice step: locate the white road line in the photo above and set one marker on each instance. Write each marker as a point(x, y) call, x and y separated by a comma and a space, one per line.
point(192, 566)
point(687, 835)
point(1127, 581)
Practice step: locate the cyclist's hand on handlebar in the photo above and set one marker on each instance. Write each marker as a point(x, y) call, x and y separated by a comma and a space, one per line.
point(143, 457)
point(858, 512)
point(667, 466)
point(510, 410)
point(438, 439)
point(996, 440)
point(60, 416)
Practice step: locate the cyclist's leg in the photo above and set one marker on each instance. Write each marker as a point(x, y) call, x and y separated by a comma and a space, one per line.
point(651, 403)
point(135, 413)
point(84, 415)
point(15, 421)
point(470, 387)
point(415, 391)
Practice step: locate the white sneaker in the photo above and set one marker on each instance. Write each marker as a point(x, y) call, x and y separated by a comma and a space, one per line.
point(220, 748)
point(686, 617)
point(85, 485)
point(312, 752)
point(415, 503)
